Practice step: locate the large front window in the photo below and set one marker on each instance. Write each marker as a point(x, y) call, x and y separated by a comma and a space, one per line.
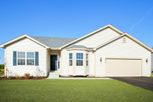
point(25, 58)
point(79, 59)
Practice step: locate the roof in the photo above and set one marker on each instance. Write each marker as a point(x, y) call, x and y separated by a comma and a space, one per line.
point(53, 42)
point(47, 42)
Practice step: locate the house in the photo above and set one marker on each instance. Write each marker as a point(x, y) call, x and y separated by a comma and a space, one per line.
point(106, 52)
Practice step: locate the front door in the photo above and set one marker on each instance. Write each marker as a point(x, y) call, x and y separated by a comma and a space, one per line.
point(53, 62)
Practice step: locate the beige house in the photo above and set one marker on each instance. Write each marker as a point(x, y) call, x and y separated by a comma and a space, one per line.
point(106, 52)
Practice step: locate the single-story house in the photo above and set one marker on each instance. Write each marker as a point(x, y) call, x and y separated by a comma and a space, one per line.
point(106, 52)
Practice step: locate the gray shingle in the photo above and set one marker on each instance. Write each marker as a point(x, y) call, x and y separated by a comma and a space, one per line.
point(53, 42)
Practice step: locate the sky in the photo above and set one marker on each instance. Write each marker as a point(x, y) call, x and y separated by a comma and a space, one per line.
point(74, 18)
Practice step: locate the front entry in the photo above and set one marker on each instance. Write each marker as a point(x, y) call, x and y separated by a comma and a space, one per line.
point(53, 62)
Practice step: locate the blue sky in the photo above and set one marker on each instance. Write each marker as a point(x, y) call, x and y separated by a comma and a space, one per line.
point(74, 18)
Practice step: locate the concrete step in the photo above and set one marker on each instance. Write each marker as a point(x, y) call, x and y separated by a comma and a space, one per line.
point(53, 75)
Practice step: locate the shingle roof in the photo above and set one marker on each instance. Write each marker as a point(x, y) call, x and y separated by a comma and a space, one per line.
point(53, 42)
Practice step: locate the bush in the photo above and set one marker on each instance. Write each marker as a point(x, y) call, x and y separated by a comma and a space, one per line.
point(26, 76)
point(1, 66)
point(1, 69)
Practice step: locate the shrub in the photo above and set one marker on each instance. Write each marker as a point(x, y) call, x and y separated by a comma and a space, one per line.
point(1, 69)
point(26, 76)
point(17, 76)
point(1, 66)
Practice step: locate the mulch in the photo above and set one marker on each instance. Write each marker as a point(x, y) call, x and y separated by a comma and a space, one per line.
point(22, 78)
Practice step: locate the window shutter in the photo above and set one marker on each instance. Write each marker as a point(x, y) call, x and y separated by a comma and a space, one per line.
point(14, 58)
point(36, 58)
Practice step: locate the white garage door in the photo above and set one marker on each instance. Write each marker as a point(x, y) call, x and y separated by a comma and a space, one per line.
point(123, 67)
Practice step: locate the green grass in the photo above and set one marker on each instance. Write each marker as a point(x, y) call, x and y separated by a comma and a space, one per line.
point(71, 91)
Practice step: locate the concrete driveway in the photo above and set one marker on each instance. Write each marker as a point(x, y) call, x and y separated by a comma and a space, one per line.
point(144, 82)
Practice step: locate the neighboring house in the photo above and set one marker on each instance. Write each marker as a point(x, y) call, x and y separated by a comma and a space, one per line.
point(104, 52)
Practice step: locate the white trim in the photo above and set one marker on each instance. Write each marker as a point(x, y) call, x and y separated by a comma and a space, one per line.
point(21, 37)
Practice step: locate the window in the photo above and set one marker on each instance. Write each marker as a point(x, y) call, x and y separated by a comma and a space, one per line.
point(21, 58)
point(86, 59)
point(25, 58)
point(70, 59)
point(79, 59)
point(30, 58)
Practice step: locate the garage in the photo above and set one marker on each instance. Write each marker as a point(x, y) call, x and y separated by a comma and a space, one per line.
point(123, 67)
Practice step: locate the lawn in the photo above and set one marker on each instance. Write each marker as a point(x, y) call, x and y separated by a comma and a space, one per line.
point(72, 91)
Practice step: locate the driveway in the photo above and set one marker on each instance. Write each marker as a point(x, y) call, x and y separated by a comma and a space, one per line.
point(144, 82)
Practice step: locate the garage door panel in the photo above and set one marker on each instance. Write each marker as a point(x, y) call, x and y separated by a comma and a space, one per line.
point(123, 67)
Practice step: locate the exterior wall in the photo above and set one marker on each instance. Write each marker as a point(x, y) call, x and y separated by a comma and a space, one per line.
point(100, 37)
point(66, 70)
point(120, 49)
point(92, 68)
point(25, 45)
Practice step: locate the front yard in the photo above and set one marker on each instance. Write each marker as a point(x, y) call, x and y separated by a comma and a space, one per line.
point(71, 91)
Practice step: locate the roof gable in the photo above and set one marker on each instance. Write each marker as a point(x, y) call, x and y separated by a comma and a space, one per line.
point(20, 38)
point(127, 35)
point(92, 33)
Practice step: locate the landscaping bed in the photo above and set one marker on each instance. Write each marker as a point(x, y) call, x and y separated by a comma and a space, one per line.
point(22, 78)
